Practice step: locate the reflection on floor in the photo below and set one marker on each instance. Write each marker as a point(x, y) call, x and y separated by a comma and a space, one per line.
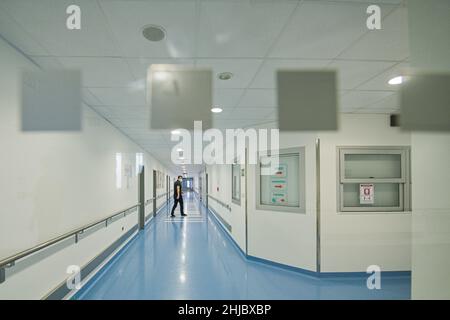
point(193, 258)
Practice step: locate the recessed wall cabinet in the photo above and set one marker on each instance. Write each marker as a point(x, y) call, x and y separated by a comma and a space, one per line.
point(373, 179)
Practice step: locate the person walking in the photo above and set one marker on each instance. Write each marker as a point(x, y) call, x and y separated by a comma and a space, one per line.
point(178, 197)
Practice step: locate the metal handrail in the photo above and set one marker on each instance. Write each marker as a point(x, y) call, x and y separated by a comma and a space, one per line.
point(155, 198)
point(223, 204)
point(10, 261)
point(161, 195)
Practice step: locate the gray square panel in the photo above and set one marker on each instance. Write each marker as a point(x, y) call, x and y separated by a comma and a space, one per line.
point(51, 100)
point(425, 102)
point(178, 96)
point(307, 100)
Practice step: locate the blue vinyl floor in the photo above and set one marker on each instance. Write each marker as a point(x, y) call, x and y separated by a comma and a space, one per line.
point(193, 258)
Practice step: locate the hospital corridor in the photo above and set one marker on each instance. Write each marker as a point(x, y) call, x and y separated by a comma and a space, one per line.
point(225, 158)
point(194, 258)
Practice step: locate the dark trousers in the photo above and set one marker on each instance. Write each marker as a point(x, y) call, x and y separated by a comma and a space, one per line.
point(180, 200)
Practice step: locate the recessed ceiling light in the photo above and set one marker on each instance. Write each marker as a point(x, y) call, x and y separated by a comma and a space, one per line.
point(180, 150)
point(216, 110)
point(153, 33)
point(225, 76)
point(175, 132)
point(396, 81)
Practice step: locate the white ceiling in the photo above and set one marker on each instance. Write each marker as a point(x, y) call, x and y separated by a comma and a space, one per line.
point(250, 38)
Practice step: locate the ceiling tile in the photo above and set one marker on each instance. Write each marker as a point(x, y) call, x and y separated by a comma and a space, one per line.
point(243, 71)
point(18, 36)
point(259, 98)
point(89, 98)
point(140, 66)
point(119, 96)
point(251, 113)
point(133, 111)
point(389, 43)
point(104, 111)
point(226, 98)
point(47, 63)
point(273, 116)
point(133, 122)
point(266, 77)
point(178, 19)
point(377, 111)
point(322, 30)
point(235, 124)
point(372, 1)
point(146, 131)
point(149, 142)
point(240, 29)
point(380, 82)
point(45, 21)
point(353, 73)
point(101, 71)
point(115, 121)
point(391, 102)
point(359, 99)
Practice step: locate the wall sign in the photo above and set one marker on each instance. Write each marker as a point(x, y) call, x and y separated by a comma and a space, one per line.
point(366, 193)
point(279, 197)
point(280, 172)
point(278, 185)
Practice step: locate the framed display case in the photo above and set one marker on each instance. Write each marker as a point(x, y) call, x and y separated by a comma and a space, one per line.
point(284, 189)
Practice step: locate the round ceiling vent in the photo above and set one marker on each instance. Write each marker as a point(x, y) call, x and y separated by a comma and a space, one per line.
point(153, 33)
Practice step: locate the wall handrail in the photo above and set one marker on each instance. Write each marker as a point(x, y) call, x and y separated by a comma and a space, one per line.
point(161, 195)
point(223, 204)
point(10, 261)
point(155, 198)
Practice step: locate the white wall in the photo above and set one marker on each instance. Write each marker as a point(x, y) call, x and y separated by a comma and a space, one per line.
point(431, 216)
point(220, 178)
point(353, 241)
point(429, 29)
point(286, 237)
point(349, 242)
point(54, 182)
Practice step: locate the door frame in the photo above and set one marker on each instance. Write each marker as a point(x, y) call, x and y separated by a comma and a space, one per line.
point(154, 193)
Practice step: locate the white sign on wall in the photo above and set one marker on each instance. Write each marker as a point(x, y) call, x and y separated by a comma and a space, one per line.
point(366, 193)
